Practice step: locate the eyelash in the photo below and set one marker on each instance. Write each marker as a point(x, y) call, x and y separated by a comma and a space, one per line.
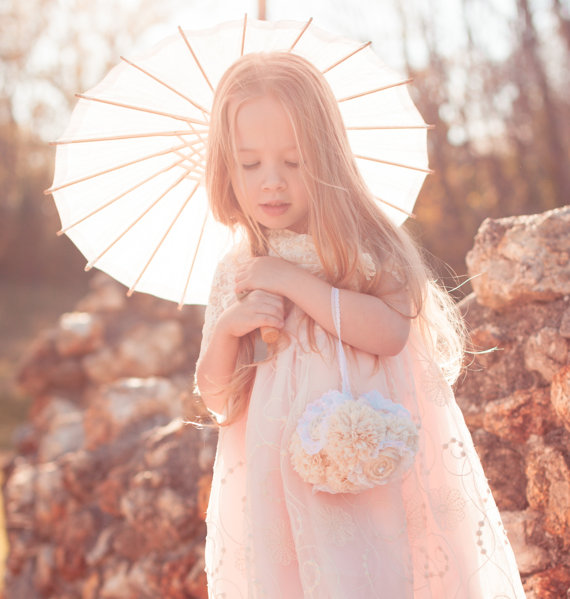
point(254, 164)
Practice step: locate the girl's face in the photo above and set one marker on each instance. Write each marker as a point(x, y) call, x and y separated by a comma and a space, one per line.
point(267, 178)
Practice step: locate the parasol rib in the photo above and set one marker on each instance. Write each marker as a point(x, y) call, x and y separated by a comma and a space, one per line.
point(346, 57)
point(181, 133)
point(408, 214)
point(195, 164)
point(413, 168)
point(301, 34)
point(243, 34)
point(92, 263)
point(195, 58)
point(386, 127)
point(122, 195)
point(133, 286)
point(177, 117)
point(181, 303)
point(114, 168)
point(373, 91)
point(172, 89)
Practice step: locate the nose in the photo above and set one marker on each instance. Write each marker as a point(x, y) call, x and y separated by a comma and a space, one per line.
point(273, 180)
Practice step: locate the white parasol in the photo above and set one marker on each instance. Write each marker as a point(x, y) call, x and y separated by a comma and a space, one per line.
point(129, 174)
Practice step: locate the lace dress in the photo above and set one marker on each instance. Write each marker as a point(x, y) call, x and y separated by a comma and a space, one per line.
point(436, 534)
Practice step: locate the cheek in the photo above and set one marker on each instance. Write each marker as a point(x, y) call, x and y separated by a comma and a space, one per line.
point(241, 184)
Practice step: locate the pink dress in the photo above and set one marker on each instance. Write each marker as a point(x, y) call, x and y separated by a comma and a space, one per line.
point(436, 534)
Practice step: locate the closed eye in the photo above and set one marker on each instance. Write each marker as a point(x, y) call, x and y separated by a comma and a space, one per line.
point(250, 165)
point(292, 164)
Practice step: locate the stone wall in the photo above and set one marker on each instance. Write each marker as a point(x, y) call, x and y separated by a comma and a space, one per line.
point(106, 496)
point(516, 399)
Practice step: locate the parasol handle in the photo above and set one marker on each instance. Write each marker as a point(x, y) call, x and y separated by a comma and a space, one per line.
point(269, 334)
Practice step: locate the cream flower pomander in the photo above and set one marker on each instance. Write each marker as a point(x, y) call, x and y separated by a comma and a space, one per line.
point(347, 445)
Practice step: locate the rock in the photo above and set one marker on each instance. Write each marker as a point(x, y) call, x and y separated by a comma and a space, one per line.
point(521, 259)
point(496, 374)
point(116, 582)
point(79, 532)
point(498, 458)
point(66, 434)
point(107, 295)
point(530, 557)
point(126, 403)
point(42, 369)
point(45, 566)
point(109, 498)
point(546, 352)
point(50, 498)
point(78, 333)
point(548, 486)
point(154, 350)
point(526, 412)
point(102, 367)
point(553, 583)
point(565, 324)
point(560, 395)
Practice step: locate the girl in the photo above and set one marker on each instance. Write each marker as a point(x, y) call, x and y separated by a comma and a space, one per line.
point(280, 169)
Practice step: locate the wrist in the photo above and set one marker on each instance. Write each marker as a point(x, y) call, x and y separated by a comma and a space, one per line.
point(225, 330)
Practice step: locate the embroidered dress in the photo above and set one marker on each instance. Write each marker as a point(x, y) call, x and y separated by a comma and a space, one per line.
point(435, 534)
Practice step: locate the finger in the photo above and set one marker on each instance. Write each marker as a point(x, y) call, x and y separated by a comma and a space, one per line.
point(269, 334)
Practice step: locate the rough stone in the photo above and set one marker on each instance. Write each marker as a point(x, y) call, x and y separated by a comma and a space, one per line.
point(499, 457)
point(78, 333)
point(129, 402)
point(102, 367)
point(565, 324)
point(526, 412)
point(521, 259)
point(152, 350)
point(560, 395)
point(553, 583)
point(106, 295)
point(548, 486)
point(546, 352)
point(519, 525)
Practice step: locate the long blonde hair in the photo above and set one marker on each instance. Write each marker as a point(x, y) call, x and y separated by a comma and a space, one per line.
point(344, 220)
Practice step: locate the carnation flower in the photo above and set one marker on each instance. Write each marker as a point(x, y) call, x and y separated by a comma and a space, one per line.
point(347, 445)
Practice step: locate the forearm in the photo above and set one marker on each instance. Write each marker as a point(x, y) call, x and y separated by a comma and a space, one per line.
point(215, 369)
point(367, 322)
point(216, 366)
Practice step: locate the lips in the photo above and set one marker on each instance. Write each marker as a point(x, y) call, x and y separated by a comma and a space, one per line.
point(274, 208)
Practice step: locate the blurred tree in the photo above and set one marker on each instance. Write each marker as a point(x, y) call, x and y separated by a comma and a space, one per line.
point(48, 51)
point(501, 141)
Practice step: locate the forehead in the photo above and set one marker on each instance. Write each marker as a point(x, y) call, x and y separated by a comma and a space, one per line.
point(262, 121)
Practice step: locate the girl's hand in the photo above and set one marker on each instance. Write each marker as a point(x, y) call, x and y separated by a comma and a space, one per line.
point(264, 272)
point(256, 309)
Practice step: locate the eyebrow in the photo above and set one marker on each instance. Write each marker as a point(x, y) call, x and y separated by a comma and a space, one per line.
point(289, 149)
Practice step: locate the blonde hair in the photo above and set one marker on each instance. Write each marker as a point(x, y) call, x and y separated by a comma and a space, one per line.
point(344, 220)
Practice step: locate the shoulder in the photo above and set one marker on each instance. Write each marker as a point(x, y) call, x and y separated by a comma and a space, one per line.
point(223, 283)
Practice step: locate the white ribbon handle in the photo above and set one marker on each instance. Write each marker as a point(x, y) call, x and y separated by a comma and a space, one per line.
point(335, 308)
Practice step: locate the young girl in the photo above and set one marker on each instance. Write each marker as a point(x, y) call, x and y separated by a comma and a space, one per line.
point(280, 168)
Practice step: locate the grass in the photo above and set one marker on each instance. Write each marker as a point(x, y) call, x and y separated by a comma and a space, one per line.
point(26, 307)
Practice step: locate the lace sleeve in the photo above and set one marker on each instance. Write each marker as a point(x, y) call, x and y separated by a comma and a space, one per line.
point(222, 295)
